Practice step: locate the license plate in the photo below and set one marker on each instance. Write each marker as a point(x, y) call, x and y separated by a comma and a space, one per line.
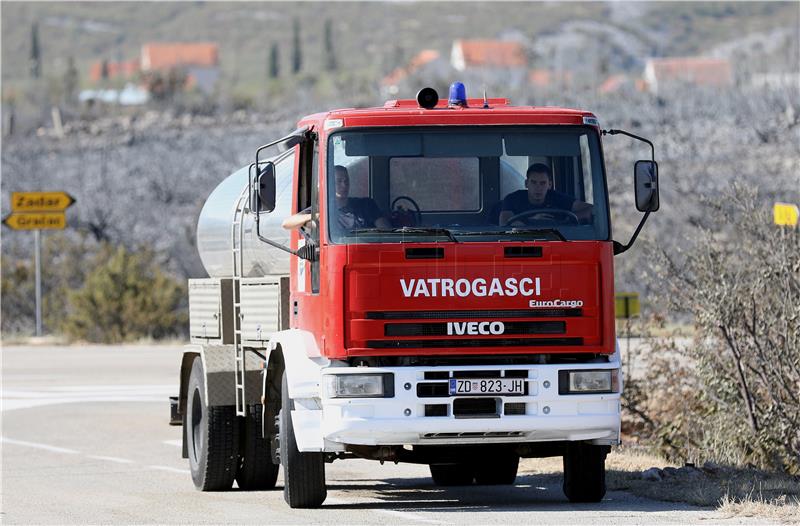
point(487, 386)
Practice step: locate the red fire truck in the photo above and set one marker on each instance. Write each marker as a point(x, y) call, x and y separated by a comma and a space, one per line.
point(446, 297)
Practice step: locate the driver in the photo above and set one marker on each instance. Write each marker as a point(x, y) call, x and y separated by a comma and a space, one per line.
point(539, 194)
point(350, 212)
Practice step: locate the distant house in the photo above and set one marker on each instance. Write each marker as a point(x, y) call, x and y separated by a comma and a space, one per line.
point(427, 63)
point(496, 61)
point(546, 78)
point(196, 62)
point(698, 71)
point(126, 69)
point(131, 95)
point(199, 60)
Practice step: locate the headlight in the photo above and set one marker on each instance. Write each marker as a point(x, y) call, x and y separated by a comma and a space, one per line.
point(380, 385)
point(597, 381)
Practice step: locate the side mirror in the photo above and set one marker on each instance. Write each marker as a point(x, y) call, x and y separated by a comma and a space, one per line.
point(265, 188)
point(645, 174)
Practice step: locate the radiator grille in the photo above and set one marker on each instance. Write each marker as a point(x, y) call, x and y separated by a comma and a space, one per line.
point(451, 314)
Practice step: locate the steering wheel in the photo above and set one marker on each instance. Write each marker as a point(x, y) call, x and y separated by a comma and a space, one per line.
point(417, 213)
point(567, 214)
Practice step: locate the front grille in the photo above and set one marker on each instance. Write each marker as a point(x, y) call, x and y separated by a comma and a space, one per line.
point(450, 314)
point(462, 343)
point(475, 407)
point(441, 329)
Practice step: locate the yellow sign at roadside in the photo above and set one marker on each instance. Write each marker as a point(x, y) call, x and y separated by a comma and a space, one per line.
point(785, 214)
point(40, 201)
point(626, 305)
point(37, 221)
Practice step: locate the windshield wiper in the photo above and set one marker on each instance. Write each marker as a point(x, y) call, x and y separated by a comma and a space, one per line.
point(548, 233)
point(408, 230)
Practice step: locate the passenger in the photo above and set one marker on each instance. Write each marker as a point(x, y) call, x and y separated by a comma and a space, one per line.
point(350, 212)
point(539, 195)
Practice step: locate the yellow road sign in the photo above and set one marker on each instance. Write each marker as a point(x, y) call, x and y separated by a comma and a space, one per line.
point(40, 221)
point(627, 305)
point(785, 214)
point(40, 201)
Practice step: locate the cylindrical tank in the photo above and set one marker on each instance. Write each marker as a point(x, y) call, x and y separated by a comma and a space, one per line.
point(214, 227)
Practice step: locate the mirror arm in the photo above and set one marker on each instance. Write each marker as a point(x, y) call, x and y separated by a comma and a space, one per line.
point(296, 137)
point(619, 248)
point(623, 132)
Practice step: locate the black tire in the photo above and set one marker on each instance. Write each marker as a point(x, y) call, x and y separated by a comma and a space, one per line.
point(212, 437)
point(498, 471)
point(256, 470)
point(460, 474)
point(585, 472)
point(303, 473)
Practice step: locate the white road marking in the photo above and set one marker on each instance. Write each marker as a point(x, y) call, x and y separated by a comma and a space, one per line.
point(111, 459)
point(176, 443)
point(36, 445)
point(171, 469)
point(67, 394)
point(117, 460)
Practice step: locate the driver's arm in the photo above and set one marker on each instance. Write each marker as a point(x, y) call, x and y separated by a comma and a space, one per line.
point(505, 215)
point(297, 220)
point(582, 210)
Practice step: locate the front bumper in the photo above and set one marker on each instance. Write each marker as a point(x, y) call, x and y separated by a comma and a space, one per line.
point(540, 415)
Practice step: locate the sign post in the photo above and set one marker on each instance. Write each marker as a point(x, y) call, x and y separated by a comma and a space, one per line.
point(626, 306)
point(38, 211)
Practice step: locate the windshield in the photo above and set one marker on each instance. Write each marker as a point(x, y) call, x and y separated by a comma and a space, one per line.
point(466, 184)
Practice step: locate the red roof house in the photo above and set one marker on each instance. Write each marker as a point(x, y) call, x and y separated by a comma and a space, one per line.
point(699, 71)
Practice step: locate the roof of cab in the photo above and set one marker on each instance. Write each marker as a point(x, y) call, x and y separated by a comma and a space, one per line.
point(409, 113)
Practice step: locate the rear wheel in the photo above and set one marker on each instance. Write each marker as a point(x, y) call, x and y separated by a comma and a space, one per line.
point(585, 472)
point(303, 473)
point(256, 470)
point(460, 474)
point(212, 435)
point(497, 471)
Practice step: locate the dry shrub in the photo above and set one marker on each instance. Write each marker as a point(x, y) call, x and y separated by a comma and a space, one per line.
point(733, 394)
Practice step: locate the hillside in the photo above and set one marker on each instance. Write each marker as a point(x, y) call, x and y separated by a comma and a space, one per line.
point(374, 37)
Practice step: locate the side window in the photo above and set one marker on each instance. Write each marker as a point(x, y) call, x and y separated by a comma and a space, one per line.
point(314, 176)
point(586, 170)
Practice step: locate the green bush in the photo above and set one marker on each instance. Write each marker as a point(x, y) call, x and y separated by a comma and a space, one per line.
point(125, 297)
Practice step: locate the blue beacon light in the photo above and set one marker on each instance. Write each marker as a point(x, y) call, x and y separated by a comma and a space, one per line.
point(458, 95)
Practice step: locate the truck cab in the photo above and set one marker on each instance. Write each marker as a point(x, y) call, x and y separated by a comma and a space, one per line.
point(446, 298)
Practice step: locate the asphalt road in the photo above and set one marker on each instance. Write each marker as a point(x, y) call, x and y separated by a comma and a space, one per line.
point(85, 439)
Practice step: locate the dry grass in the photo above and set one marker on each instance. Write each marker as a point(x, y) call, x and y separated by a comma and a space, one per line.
point(782, 508)
point(734, 492)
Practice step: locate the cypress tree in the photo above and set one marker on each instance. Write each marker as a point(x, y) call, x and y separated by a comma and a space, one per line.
point(329, 51)
point(274, 61)
point(36, 58)
point(297, 54)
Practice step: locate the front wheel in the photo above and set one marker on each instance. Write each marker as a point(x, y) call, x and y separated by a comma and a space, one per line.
point(303, 473)
point(585, 472)
point(460, 474)
point(497, 471)
point(212, 436)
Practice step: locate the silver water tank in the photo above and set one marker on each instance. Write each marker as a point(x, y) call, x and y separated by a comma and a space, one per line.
point(214, 227)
